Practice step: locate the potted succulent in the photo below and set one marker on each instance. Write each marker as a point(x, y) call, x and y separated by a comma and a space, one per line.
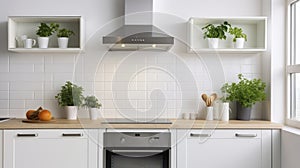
point(91, 102)
point(70, 97)
point(213, 33)
point(63, 37)
point(239, 37)
point(44, 32)
point(246, 93)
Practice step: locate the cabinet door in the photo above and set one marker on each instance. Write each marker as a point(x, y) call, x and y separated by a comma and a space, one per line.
point(221, 148)
point(50, 148)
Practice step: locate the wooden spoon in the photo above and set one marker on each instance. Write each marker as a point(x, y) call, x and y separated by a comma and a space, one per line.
point(212, 98)
point(204, 98)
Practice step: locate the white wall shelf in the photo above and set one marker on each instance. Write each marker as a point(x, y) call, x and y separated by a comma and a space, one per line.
point(28, 25)
point(254, 27)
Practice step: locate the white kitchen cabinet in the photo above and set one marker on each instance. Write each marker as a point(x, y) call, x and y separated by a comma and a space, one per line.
point(28, 25)
point(254, 27)
point(60, 148)
point(1, 148)
point(224, 148)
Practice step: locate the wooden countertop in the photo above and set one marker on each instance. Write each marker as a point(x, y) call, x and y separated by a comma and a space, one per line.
point(176, 124)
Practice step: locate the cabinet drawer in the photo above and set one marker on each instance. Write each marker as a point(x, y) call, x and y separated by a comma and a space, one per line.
point(224, 134)
point(69, 133)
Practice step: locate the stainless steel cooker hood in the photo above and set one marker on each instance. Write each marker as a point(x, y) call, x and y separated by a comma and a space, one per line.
point(138, 33)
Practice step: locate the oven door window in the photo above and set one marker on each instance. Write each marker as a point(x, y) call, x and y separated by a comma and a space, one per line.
point(137, 159)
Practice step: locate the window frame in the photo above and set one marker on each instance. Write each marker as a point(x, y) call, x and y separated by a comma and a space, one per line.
point(291, 67)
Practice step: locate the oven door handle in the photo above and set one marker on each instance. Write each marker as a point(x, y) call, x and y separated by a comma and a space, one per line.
point(136, 151)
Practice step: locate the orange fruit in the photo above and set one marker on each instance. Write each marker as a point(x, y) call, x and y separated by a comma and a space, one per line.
point(45, 115)
point(29, 113)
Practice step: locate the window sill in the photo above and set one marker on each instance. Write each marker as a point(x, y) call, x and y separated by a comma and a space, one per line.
point(292, 130)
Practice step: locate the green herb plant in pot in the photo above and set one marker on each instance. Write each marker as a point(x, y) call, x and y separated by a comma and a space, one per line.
point(44, 32)
point(213, 33)
point(63, 37)
point(70, 97)
point(246, 93)
point(93, 104)
point(239, 37)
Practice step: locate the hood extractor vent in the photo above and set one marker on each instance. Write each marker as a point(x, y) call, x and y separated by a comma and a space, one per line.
point(138, 33)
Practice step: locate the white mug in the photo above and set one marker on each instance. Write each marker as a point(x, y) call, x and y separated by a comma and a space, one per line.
point(28, 43)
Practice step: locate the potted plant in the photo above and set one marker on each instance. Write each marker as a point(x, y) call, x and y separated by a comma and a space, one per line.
point(91, 102)
point(44, 32)
point(214, 33)
point(63, 37)
point(246, 93)
point(70, 97)
point(239, 37)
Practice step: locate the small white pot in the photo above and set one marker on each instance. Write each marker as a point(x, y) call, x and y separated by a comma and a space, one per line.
point(43, 42)
point(224, 111)
point(93, 113)
point(239, 43)
point(63, 42)
point(213, 42)
point(71, 112)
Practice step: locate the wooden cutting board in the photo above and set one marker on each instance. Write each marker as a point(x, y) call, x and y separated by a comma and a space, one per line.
point(37, 121)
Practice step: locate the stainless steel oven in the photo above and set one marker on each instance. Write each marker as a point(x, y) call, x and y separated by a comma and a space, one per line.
point(137, 150)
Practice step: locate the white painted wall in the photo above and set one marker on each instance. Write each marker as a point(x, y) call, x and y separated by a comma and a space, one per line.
point(30, 80)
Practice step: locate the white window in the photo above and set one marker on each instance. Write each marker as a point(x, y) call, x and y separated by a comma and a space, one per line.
point(293, 64)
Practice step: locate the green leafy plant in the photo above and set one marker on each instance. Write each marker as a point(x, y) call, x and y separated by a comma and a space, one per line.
point(91, 102)
point(46, 30)
point(65, 33)
point(246, 92)
point(237, 33)
point(70, 95)
point(212, 31)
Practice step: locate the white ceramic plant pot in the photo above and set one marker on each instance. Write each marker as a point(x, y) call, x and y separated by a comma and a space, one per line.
point(213, 42)
point(63, 42)
point(93, 113)
point(43, 42)
point(224, 111)
point(239, 43)
point(71, 112)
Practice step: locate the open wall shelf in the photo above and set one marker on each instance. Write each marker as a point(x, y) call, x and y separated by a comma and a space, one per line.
point(28, 25)
point(254, 27)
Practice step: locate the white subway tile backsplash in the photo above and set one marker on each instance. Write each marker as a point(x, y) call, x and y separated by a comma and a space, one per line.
point(26, 86)
point(17, 76)
point(4, 67)
point(4, 86)
point(34, 104)
point(21, 68)
point(4, 95)
point(17, 95)
point(26, 59)
point(4, 104)
point(17, 113)
point(62, 76)
point(39, 68)
point(63, 59)
point(17, 104)
point(4, 112)
point(39, 95)
point(246, 68)
point(59, 67)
